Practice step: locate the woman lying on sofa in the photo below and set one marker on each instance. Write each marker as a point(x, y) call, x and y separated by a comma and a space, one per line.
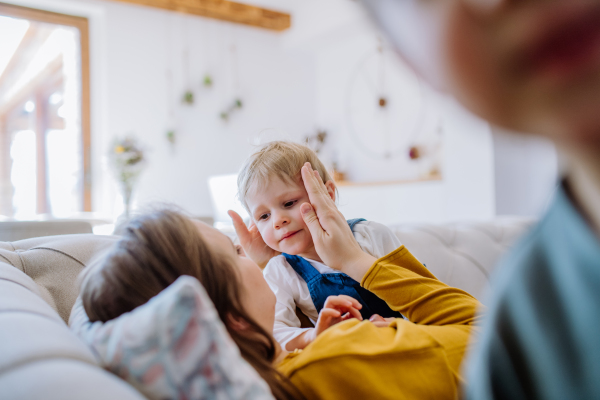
point(352, 358)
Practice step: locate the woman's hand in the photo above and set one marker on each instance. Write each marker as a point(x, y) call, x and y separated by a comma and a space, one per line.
point(251, 241)
point(335, 310)
point(330, 232)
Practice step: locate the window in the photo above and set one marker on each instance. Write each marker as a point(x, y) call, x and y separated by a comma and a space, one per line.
point(44, 114)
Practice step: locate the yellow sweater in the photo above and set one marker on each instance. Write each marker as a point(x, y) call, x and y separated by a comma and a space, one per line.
point(407, 360)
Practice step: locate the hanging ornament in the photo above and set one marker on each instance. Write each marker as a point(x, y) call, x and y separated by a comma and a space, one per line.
point(237, 102)
point(170, 135)
point(237, 105)
point(207, 81)
point(188, 96)
point(414, 153)
point(316, 141)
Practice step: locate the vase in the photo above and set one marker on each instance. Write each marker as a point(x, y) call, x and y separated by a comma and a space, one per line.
point(127, 194)
point(126, 189)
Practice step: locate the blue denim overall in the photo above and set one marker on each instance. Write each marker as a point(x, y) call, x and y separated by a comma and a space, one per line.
point(322, 286)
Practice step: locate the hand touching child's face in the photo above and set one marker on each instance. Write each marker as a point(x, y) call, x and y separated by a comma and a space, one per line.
point(528, 65)
point(275, 209)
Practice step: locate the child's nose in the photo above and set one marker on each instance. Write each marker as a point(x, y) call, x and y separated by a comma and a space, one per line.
point(280, 221)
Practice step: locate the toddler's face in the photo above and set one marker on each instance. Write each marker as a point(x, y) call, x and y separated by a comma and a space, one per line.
point(528, 65)
point(275, 209)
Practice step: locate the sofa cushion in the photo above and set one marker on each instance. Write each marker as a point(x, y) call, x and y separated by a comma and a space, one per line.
point(54, 262)
point(173, 346)
point(63, 379)
point(19, 298)
point(39, 356)
point(463, 255)
point(30, 336)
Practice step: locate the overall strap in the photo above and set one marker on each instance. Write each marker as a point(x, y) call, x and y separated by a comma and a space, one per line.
point(302, 267)
point(353, 222)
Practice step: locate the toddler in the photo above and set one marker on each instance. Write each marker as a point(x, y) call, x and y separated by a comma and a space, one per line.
point(270, 188)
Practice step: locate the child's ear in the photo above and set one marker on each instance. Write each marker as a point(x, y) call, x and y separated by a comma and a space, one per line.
point(330, 189)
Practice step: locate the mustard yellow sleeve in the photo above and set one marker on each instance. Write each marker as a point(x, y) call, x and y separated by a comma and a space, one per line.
point(410, 288)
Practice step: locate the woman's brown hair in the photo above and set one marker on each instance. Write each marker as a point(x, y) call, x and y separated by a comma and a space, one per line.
point(154, 251)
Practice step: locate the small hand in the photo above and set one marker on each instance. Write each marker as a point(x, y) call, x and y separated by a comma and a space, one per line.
point(335, 310)
point(251, 241)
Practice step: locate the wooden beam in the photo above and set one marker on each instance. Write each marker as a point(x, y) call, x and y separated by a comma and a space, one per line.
point(32, 42)
point(53, 68)
point(224, 10)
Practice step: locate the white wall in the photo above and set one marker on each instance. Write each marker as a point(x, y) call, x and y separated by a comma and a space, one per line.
point(467, 187)
point(272, 85)
point(291, 83)
point(133, 47)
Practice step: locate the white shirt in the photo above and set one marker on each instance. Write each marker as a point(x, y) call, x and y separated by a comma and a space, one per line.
point(292, 291)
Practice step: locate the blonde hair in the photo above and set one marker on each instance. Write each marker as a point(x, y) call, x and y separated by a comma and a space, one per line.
point(281, 159)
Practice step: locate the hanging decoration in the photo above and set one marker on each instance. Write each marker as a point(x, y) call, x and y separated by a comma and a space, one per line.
point(237, 103)
point(170, 135)
point(207, 81)
point(414, 153)
point(188, 95)
point(316, 141)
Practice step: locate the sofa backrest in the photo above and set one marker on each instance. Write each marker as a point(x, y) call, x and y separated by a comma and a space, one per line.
point(463, 255)
point(11, 231)
point(54, 262)
point(40, 357)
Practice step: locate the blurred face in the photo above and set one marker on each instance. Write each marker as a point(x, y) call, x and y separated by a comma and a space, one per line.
point(528, 65)
point(257, 298)
point(275, 209)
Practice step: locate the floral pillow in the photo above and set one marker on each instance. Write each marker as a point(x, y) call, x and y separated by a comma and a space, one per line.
point(173, 347)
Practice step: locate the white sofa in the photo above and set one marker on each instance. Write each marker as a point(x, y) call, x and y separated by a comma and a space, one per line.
point(41, 359)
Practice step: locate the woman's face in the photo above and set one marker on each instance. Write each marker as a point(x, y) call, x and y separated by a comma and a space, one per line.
point(528, 65)
point(257, 297)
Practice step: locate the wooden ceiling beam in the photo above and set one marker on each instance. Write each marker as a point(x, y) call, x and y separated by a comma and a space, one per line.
point(224, 10)
point(32, 42)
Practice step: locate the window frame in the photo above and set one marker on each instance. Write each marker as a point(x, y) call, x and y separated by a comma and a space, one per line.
point(82, 25)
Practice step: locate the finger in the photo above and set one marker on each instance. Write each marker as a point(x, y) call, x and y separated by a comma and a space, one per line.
point(316, 194)
point(312, 221)
point(327, 317)
point(355, 313)
point(355, 303)
point(338, 301)
point(381, 324)
point(320, 180)
point(376, 317)
point(238, 224)
point(330, 313)
point(345, 303)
